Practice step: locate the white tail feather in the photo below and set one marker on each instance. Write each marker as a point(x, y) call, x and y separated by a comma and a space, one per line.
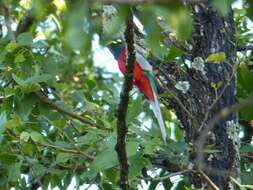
point(157, 111)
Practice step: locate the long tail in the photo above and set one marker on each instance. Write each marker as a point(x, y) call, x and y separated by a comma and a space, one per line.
point(157, 111)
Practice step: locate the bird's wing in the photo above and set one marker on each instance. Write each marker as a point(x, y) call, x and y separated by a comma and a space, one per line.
point(143, 63)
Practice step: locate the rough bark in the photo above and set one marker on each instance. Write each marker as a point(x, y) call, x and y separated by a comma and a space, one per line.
point(212, 33)
point(215, 33)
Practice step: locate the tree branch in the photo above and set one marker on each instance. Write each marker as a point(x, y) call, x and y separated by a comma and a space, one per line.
point(168, 176)
point(78, 152)
point(211, 184)
point(49, 102)
point(123, 105)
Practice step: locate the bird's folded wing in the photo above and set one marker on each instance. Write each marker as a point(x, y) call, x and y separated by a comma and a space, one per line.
point(143, 63)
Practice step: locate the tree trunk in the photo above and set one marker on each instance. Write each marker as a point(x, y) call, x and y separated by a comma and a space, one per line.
point(215, 33)
point(212, 33)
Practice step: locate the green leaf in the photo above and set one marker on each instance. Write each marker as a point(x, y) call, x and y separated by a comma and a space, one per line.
point(153, 30)
point(177, 147)
point(167, 184)
point(219, 84)
point(8, 158)
point(38, 168)
point(78, 96)
point(217, 57)
point(28, 148)
point(105, 160)
point(19, 58)
point(14, 172)
point(28, 88)
point(107, 186)
point(11, 47)
point(137, 163)
point(88, 139)
point(14, 122)
point(245, 78)
point(222, 6)
point(3, 120)
point(135, 108)
point(182, 185)
point(76, 37)
point(111, 174)
point(36, 137)
point(211, 151)
point(90, 83)
point(50, 65)
point(247, 177)
point(250, 9)
point(38, 78)
point(9, 91)
point(153, 185)
point(178, 133)
point(131, 148)
point(63, 157)
point(24, 106)
point(181, 22)
point(18, 80)
point(62, 144)
point(25, 39)
point(24, 136)
point(247, 149)
point(247, 113)
point(173, 53)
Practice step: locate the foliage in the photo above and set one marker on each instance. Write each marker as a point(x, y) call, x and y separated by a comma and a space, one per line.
point(42, 146)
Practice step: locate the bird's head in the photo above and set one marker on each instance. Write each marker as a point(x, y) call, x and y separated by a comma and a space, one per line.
point(116, 47)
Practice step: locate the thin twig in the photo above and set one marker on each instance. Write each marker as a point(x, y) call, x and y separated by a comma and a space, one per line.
point(49, 102)
point(168, 176)
point(208, 180)
point(123, 104)
point(72, 142)
point(67, 150)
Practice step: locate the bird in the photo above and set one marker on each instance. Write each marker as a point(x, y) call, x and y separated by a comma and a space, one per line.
point(143, 79)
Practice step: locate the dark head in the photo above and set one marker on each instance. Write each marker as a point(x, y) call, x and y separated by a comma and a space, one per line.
point(116, 48)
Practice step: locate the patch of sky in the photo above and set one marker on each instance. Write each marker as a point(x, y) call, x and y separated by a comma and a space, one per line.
point(103, 58)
